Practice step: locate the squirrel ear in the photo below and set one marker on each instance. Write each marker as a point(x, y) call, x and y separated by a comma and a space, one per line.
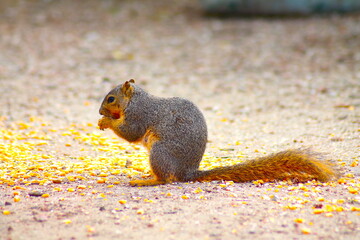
point(127, 89)
point(132, 80)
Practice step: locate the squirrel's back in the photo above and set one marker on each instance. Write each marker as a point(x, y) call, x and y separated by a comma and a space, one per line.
point(179, 117)
point(171, 118)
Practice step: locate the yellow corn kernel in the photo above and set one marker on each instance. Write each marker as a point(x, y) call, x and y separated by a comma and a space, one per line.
point(299, 220)
point(67, 221)
point(45, 195)
point(341, 181)
point(90, 229)
point(318, 211)
point(6, 212)
point(305, 230)
point(101, 195)
point(140, 211)
point(353, 190)
point(101, 180)
point(357, 209)
point(291, 207)
point(198, 190)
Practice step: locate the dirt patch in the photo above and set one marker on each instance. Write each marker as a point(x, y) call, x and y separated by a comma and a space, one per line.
point(264, 85)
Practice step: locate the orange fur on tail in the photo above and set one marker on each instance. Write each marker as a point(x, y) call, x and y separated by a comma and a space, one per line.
point(297, 165)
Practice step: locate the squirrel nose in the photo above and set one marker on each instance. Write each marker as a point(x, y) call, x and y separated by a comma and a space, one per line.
point(102, 111)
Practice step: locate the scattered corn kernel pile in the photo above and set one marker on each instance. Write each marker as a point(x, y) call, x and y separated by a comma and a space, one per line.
point(35, 152)
point(29, 154)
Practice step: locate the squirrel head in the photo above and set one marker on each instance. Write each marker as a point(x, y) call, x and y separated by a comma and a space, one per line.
point(117, 99)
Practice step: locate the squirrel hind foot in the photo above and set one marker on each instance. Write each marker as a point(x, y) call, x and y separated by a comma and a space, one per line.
point(147, 182)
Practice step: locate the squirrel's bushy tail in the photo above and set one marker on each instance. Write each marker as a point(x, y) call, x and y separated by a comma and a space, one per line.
point(298, 165)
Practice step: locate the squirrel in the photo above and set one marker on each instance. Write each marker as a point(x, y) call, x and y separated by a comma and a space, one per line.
point(174, 132)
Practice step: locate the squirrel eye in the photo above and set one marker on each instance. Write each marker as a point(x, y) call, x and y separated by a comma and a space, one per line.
point(110, 99)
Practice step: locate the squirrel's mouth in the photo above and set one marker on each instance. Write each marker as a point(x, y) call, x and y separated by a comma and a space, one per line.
point(115, 115)
point(107, 113)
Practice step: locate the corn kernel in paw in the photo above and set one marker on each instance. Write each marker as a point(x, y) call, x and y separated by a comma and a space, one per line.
point(104, 123)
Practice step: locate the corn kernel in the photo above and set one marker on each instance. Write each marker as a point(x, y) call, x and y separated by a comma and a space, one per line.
point(355, 209)
point(6, 212)
point(140, 211)
point(90, 229)
point(305, 231)
point(299, 220)
point(318, 211)
point(67, 221)
point(45, 195)
point(198, 190)
point(352, 190)
point(101, 180)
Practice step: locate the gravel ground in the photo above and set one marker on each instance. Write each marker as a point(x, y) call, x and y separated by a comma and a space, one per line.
point(263, 84)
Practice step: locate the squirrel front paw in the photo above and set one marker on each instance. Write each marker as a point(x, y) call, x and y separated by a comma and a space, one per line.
point(104, 123)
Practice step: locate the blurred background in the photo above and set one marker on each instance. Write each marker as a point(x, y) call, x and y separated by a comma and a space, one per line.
point(280, 7)
point(59, 58)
